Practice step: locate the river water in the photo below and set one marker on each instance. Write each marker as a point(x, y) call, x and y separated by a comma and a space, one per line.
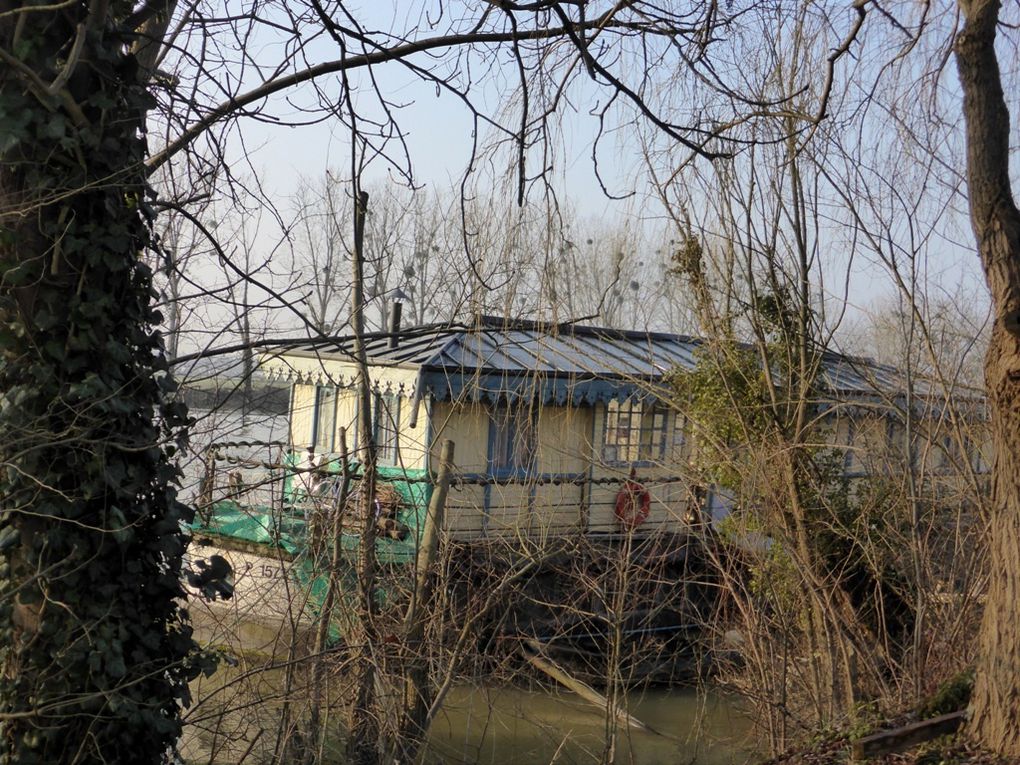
point(237, 714)
point(513, 726)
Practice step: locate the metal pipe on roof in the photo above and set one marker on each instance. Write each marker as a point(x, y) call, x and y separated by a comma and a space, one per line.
point(398, 308)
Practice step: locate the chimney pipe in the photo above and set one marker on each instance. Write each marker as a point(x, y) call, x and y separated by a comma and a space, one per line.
point(395, 325)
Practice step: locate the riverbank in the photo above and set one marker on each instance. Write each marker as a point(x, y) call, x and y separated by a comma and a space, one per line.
point(946, 750)
point(952, 752)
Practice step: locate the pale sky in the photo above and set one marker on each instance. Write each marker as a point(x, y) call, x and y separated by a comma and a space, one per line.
point(437, 130)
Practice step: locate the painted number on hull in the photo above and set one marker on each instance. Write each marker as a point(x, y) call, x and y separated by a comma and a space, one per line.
point(266, 571)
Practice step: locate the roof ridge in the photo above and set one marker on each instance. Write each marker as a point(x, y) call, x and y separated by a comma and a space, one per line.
point(505, 323)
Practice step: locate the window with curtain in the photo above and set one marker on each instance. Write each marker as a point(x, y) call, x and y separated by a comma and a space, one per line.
point(387, 436)
point(512, 440)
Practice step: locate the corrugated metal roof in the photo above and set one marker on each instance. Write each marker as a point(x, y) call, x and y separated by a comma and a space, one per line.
point(495, 344)
point(497, 356)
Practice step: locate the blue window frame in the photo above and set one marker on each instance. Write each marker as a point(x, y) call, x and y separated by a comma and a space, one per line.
point(678, 448)
point(387, 428)
point(974, 454)
point(896, 435)
point(849, 454)
point(512, 441)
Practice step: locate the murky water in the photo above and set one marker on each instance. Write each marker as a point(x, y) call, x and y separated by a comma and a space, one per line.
point(507, 726)
point(237, 715)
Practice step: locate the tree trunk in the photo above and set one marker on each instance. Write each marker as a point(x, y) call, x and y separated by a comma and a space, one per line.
point(94, 644)
point(364, 743)
point(996, 222)
point(996, 699)
point(419, 693)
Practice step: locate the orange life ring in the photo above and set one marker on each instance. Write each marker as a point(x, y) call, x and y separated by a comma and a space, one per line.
point(633, 503)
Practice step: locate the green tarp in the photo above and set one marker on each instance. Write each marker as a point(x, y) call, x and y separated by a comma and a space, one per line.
point(286, 528)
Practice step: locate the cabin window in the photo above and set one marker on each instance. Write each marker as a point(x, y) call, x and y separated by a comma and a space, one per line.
point(387, 436)
point(679, 446)
point(947, 454)
point(512, 441)
point(634, 432)
point(324, 422)
point(896, 434)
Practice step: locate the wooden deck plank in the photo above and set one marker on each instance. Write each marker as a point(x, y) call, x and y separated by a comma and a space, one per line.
point(891, 741)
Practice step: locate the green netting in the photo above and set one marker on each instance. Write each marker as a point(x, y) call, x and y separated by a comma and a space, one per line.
point(286, 528)
point(261, 526)
point(253, 524)
point(414, 493)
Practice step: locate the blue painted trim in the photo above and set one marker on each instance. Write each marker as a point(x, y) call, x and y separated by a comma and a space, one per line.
point(490, 441)
point(396, 430)
point(848, 455)
point(586, 488)
point(336, 406)
point(374, 398)
point(290, 419)
point(495, 388)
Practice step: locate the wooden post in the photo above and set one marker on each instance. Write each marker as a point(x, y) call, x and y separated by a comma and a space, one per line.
point(428, 546)
point(363, 748)
point(207, 487)
point(534, 654)
point(326, 614)
point(418, 691)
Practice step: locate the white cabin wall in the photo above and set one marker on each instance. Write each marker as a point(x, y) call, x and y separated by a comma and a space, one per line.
point(468, 427)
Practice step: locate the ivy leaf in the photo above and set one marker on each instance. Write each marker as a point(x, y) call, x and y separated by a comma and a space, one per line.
point(115, 667)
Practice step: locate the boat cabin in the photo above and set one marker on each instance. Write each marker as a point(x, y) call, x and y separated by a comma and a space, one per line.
point(558, 428)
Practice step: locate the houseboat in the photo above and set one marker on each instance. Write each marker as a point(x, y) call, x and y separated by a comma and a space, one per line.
point(562, 432)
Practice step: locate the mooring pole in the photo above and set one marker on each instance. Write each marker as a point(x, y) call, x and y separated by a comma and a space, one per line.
point(428, 548)
point(418, 692)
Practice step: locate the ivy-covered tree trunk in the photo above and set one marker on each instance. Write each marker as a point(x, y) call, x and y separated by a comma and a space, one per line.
point(95, 646)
